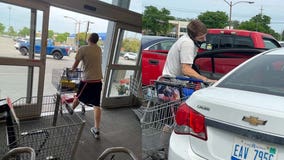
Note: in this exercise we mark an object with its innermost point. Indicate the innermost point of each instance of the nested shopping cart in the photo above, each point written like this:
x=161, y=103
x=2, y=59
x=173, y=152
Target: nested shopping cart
x=117, y=153
x=66, y=81
x=157, y=120
x=49, y=134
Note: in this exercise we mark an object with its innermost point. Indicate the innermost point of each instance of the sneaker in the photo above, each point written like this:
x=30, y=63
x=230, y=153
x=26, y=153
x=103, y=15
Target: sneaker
x=95, y=132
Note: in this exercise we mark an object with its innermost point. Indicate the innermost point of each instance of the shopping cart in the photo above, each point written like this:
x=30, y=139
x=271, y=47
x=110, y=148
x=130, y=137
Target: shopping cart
x=50, y=135
x=145, y=94
x=157, y=120
x=20, y=153
x=67, y=82
x=117, y=153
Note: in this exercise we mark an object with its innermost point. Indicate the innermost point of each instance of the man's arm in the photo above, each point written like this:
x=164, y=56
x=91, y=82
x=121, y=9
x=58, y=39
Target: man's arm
x=189, y=71
x=75, y=65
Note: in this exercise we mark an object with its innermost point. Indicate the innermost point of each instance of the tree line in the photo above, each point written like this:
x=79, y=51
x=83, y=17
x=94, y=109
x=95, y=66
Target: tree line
x=156, y=22
x=128, y=44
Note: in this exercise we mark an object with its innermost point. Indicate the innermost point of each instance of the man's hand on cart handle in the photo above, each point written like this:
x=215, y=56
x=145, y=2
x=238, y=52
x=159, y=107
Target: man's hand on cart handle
x=210, y=80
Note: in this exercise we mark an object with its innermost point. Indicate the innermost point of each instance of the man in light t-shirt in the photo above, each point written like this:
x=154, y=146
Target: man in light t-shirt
x=181, y=55
x=90, y=86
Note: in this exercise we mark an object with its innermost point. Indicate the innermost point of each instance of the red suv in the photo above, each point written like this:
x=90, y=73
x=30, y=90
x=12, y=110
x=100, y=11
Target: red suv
x=224, y=50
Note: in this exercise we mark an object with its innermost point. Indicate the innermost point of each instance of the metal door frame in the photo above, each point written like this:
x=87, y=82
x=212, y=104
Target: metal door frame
x=119, y=101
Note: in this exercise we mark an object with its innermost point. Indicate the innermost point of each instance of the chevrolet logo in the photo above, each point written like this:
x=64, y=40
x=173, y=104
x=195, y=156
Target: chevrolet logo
x=254, y=120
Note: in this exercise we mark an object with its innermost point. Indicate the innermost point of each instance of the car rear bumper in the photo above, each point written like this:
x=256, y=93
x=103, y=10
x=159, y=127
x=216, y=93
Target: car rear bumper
x=180, y=149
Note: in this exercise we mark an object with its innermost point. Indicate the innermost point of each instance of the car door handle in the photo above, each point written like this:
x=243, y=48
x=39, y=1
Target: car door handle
x=152, y=61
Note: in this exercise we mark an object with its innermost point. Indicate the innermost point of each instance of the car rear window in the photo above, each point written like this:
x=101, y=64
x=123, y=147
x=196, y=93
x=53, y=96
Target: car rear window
x=264, y=74
x=162, y=45
x=270, y=43
x=219, y=41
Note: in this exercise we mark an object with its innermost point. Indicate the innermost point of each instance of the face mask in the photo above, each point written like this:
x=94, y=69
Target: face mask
x=198, y=43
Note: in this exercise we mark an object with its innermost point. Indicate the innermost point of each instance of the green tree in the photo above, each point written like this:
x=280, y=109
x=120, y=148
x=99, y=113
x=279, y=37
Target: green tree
x=155, y=21
x=216, y=19
x=24, y=32
x=50, y=34
x=2, y=28
x=82, y=40
x=235, y=24
x=259, y=23
x=131, y=45
x=61, y=37
x=11, y=31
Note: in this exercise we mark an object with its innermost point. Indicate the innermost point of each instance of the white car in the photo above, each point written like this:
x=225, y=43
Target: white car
x=238, y=118
x=19, y=42
x=281, y=43
x=130, y=55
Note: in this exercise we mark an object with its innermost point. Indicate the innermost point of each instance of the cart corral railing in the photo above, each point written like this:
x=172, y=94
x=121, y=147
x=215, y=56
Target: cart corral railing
x=32, y=109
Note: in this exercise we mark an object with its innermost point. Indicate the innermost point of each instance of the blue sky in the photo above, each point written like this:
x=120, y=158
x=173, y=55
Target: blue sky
x=241, y=11
x=19, y=17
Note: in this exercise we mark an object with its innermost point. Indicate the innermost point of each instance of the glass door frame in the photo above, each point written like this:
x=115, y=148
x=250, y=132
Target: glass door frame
x=31, y=62
x=119, y=101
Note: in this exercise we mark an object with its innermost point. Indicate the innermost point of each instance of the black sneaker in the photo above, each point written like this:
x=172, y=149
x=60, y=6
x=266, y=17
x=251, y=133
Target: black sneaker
x=95, y=132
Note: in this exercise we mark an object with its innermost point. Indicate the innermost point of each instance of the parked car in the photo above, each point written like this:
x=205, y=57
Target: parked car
x=56, y=51
x=239, y=117
x=19, y=41
x=232, y=47
x=281, y=43
x=154, y=52
x=130, y=56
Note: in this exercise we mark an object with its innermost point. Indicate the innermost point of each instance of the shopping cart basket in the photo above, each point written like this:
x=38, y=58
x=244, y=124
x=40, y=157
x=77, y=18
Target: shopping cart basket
x=157, y=121
x=67, y=82
x=52, y=136
x=156, y=124
x=116, y=153
x=20, y=153
x=145, y=94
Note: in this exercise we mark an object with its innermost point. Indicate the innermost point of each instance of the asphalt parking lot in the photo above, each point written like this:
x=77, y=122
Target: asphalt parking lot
x=16, y=76
x=117, y=124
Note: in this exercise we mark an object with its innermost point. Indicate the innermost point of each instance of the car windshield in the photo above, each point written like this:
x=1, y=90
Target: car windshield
x=264, y=74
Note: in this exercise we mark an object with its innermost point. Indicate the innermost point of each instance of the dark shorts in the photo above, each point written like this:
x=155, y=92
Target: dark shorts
x=90, y=93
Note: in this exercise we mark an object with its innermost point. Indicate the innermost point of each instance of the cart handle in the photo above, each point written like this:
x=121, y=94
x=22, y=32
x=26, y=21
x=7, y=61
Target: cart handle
x=115, y=150
x=19, y=150
x=184, y=78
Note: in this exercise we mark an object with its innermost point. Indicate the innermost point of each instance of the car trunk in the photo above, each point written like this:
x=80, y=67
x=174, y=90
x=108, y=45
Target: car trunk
x=239, y=125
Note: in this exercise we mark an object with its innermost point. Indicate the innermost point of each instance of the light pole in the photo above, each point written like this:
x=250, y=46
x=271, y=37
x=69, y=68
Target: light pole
x=76, y=32
x=231, y=4
x=9, y=7
x=87, y=29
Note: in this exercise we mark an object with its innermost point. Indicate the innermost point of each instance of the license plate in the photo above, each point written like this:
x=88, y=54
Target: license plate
x=249, y=150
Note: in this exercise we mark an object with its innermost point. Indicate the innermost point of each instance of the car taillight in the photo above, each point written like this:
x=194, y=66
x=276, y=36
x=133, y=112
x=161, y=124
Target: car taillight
x=189, y=121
